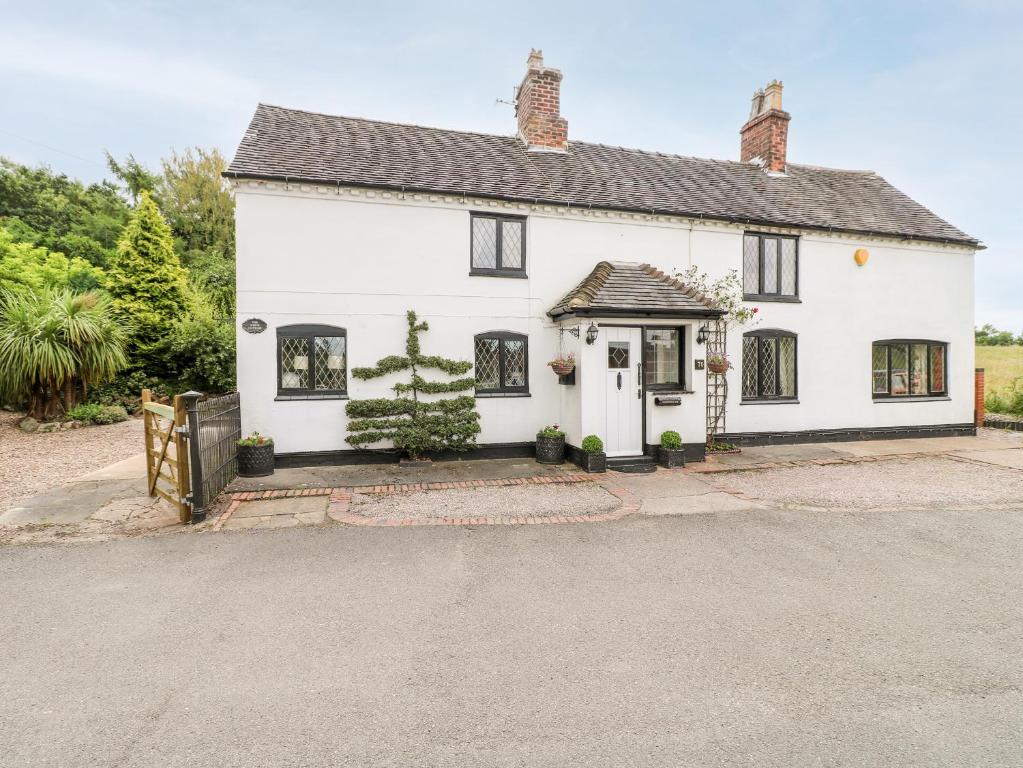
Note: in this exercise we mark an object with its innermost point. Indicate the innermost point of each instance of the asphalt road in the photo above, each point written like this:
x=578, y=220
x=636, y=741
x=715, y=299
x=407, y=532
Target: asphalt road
x=747, y=639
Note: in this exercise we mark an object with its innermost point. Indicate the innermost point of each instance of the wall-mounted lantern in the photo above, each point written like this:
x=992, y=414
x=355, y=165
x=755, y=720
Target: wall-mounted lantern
x=702, y=335
x=860, y=256
x=591, y=333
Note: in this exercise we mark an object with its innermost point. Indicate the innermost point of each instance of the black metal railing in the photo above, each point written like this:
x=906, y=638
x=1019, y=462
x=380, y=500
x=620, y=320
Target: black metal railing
x=214, y=428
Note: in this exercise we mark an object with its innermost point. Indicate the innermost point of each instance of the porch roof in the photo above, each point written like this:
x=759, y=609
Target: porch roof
x=621, y=288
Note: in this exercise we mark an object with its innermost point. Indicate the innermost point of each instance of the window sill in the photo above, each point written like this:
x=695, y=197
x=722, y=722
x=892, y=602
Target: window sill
x=769, y=401
x=515, y=273
x=281, y=398
x=772, y=297
x=485, y=395
x=912, y=399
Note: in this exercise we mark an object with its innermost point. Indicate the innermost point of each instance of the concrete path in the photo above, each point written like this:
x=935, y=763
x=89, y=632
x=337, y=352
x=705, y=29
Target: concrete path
x=760, y=638
x=353, y=475
x=116, y=495
x=113, y=498
x=995, y=446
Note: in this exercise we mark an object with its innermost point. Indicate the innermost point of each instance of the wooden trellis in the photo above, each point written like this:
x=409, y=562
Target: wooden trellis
x=167, y=452
x=717, y=385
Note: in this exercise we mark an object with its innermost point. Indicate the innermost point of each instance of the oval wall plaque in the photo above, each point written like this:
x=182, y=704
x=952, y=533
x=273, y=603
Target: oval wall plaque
x=254, y=325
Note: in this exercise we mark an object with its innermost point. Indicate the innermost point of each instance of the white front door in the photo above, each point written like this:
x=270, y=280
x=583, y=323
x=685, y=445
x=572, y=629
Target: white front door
x=623, y=433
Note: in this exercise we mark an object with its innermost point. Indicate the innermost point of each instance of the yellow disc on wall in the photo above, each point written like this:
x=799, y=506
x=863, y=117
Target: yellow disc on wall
x=861, y=256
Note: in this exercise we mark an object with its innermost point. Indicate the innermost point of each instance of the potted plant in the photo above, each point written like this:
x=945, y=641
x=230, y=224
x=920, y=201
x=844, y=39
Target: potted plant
x=550, y=445
x=718, y=363
x=563, y=366
x=672, y=453
x=255, y=456
x=594, y=458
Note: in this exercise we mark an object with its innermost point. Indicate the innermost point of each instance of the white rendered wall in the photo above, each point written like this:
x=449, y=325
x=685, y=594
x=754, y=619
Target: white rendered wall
x=340, y=257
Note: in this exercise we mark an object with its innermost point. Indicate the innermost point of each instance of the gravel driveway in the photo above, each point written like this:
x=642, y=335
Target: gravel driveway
x=30, y=463
x=924, y=483
x=521, y=500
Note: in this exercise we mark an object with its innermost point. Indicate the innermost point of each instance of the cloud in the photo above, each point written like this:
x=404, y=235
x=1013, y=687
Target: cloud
x=178, y=78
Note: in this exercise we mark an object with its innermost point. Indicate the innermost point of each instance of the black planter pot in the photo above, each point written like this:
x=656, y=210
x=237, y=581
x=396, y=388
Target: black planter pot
x=550, y=450
x=672, y=457
x=595, y=462
x=255, y=460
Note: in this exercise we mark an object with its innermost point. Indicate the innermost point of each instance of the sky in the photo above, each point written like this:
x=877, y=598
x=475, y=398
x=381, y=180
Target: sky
x=928, y=94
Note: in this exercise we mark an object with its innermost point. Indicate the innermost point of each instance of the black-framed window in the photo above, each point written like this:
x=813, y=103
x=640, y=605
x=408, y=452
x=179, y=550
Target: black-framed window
x=497, y=245
x=662, y=358
x=769, y=365
x=502, y=363
x=312, y=360
x=908, y=368
x=770, y=267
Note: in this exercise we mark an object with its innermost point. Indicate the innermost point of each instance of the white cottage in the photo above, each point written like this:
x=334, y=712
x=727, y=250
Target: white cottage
x=519, y=249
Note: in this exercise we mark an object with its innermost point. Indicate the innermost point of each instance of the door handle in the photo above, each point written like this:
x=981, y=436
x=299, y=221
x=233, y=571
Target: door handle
x=639, y=394
x=619, y=379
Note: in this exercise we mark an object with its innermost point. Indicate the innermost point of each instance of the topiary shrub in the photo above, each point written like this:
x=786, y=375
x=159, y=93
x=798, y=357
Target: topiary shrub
x=671, y=440
x=413, y=424
x=592, y=444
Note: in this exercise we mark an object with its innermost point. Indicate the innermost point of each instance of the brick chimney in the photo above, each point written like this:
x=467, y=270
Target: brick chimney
x=766, y=133
x=538, y=107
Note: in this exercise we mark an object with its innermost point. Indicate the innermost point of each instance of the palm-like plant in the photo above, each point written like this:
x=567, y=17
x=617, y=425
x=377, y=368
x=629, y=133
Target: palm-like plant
x=55, y=343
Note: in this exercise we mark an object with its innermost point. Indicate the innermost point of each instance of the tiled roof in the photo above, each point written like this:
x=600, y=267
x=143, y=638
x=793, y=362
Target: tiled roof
x=289, y=144
x=622, y=288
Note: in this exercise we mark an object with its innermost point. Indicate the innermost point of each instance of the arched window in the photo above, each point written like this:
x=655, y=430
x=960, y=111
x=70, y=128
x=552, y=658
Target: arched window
x=312, y=360
x=909, y=368
x=502, y=363
x=769, y=365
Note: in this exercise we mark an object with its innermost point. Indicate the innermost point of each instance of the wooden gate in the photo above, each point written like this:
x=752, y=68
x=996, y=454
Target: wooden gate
x=167, y=452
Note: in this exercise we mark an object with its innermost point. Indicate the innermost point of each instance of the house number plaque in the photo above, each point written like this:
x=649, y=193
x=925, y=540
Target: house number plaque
x=699, y=364
x=254, y=325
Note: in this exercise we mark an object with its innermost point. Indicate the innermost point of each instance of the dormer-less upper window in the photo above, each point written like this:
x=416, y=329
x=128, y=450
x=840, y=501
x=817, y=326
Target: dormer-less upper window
x=498, y=245
x=770, y=267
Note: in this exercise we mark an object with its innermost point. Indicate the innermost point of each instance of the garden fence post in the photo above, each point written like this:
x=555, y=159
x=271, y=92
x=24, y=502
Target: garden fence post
x=191, y=399
x=147, y=430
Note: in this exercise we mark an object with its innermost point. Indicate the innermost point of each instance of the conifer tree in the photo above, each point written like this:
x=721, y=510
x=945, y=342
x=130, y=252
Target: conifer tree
x=413, y=424
x=146, y=280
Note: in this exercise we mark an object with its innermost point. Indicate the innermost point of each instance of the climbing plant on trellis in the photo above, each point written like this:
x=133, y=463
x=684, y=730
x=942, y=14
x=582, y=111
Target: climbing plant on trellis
x=415, y=424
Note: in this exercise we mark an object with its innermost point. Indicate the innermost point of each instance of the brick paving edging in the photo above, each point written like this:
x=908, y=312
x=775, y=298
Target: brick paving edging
x=339, y=505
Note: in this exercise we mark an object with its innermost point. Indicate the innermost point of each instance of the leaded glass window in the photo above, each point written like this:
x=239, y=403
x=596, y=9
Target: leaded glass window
x=908, y=369
x=502, y=363
x=498, y=245
x=770, y=267
x=312, y=360
x=662, y=356
x=769, y=365
x=618, y=354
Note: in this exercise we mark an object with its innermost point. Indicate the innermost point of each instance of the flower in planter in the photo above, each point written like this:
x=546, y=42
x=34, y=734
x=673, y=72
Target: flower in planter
x=592, y=444
x=255, y=439
x=551, y=431
x=563, y=365
x=717, y=362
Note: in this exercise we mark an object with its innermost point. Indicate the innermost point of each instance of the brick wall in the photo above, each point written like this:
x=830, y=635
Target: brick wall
x=766, y=136
x=978, y=397
x=538, y=106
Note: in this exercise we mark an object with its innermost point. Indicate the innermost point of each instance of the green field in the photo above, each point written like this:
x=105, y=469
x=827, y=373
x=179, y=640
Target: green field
x=1002, y=366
